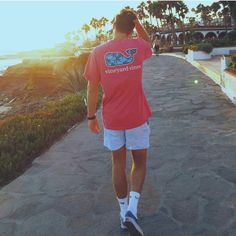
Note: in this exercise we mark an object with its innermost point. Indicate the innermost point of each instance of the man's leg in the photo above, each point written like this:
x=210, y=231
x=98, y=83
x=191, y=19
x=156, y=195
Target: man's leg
x=137, y=177
x=119, y=180
x=138, y=170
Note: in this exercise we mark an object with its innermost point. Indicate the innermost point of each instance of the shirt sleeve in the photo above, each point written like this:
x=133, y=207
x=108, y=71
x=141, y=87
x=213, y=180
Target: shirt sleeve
x=146, y=49
x=91, y=71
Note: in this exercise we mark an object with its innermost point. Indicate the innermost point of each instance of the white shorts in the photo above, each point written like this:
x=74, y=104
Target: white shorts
x=133, y=139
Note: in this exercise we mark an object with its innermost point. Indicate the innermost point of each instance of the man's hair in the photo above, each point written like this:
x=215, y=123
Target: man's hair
x=124, y=21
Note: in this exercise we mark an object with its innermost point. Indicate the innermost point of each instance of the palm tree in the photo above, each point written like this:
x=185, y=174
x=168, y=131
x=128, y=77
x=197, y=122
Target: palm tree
x=141, y=11
x=215, y=7
x=86, y=28
x=204, y=12
x=103, y=21
x=181, y=10
x=170, y=18
x=225, y=13
x=100, y=24
x=149, y=9
x=156, y=12
x=232, y=7
x=95, y=24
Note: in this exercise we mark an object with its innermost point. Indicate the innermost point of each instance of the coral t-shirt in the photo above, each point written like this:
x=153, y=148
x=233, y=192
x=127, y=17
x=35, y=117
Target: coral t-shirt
x=117, y=66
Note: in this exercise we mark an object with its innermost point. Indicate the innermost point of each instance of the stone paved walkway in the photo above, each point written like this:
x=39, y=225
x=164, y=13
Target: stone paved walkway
x=190, y=187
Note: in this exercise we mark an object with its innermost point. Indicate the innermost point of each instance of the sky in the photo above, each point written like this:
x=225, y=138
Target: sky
x=27, y=25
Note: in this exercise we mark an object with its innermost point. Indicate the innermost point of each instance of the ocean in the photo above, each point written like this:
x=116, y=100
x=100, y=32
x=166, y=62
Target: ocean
x=8, y=62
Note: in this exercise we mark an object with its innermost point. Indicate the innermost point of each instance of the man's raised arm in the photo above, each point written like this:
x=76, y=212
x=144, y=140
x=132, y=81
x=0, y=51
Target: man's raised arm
x=141, y=31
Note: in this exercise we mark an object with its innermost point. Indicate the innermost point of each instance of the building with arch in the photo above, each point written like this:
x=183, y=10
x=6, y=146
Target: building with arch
x=198, y=32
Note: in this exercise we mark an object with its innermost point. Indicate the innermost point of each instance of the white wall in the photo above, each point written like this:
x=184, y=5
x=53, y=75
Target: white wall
x=198, y=55
x=228, y=85
x=222, y=51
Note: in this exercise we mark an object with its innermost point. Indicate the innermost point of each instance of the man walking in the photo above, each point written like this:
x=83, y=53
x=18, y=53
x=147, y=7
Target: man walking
x=117, y=67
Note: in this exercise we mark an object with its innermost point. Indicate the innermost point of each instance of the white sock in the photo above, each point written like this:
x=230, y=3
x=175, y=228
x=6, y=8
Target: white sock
x=133, y=202
x=123, y=203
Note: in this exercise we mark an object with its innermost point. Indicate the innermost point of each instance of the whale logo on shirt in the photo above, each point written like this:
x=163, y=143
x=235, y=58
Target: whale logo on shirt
x=118, y=59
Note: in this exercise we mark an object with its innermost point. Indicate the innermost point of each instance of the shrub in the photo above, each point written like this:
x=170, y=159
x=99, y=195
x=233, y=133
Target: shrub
x=231, y=35
x=166, y=48
x=233, y=62
x=70, y=71
x=185, y=48
x=233, y=57
x=220, y=42
x=205, y=47
x=24, y=137
x=192, y=46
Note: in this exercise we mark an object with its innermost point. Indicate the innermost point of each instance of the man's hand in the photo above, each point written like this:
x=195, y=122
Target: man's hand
x=141, y=31
x=94, y=126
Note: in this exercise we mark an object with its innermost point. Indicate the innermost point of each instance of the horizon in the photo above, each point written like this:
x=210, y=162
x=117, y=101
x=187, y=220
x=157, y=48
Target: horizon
x=37, y=25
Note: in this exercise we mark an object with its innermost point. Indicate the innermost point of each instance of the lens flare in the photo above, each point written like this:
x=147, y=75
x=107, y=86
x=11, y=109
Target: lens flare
x=195, y=81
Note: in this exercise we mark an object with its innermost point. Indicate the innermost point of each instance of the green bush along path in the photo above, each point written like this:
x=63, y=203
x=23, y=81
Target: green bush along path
x=190, y=187
x=26, y=136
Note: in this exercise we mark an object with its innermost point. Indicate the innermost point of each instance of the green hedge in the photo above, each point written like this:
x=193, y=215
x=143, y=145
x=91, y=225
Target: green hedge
x=205, y=47
x=233, y=63
x=26, y=136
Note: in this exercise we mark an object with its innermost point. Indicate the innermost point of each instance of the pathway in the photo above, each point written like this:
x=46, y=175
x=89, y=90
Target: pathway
x=190, y=188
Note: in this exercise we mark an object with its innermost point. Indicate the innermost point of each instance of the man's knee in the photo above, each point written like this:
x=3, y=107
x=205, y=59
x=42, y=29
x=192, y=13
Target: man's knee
x=119, y=156
x=139, y=158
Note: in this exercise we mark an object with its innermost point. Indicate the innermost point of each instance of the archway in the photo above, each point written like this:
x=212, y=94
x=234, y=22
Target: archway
x=222, y=35
x=198, y=36
x=187, y=37
x=169, y=38
x=181, y=38
x=210, y=35
x=163, y=39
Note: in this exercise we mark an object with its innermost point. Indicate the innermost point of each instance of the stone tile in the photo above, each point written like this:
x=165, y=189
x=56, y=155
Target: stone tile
x=160, y=224
x=48, y=222
x=231, y=229
x=227, y=173
x=7, y=229
x=213, y=188
x=217, y=215
x=184, y=211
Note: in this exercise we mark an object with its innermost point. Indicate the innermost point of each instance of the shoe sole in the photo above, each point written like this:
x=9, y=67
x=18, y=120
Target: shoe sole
x=133, y=227
x=122, y=226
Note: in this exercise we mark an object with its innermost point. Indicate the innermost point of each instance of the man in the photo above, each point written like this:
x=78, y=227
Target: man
x=156, y=44
x=117, y=66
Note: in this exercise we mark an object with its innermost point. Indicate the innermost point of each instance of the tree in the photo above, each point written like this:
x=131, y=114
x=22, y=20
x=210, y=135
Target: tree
x=157, y=12
x=192, y=21
x=215, y=7
x=99, y=24
x=141, y=11
x=95, y=24
x=149, y=9
x=86, y=28
x=204, y=12
x=170, y=6
x=225, y=13
x=181, y=10
x=232, y=7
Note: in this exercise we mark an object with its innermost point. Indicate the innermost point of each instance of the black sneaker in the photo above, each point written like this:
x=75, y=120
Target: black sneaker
x=132, y=224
